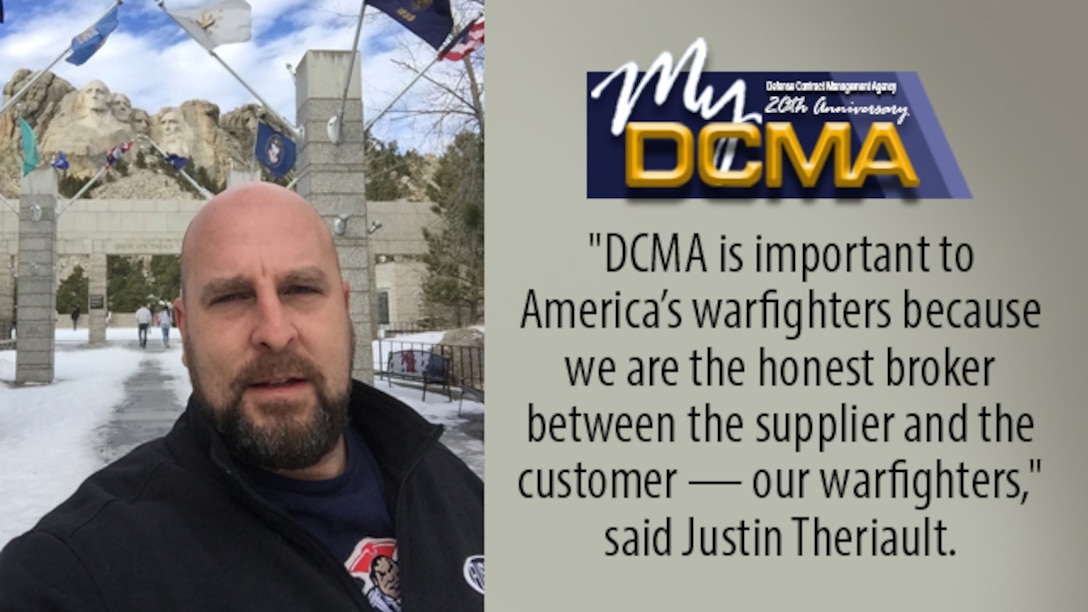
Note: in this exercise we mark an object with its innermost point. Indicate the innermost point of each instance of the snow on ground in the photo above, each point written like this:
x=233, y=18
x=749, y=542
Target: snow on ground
x=48, y=433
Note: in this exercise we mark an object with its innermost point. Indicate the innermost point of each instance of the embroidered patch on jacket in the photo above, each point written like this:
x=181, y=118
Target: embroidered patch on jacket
x=474, y=573
x=374, y=563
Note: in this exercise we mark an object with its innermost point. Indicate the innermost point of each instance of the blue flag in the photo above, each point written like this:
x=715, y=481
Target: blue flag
x=430, y=20
x=177, y=161
x=30, y=147
x=91, y=40
x=274, y=150
x=61, y=162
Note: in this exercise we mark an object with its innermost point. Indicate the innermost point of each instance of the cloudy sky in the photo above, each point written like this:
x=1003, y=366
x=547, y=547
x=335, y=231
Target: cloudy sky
x=155, y=63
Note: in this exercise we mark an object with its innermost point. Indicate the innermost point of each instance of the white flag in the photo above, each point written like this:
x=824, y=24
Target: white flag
x=219, y=23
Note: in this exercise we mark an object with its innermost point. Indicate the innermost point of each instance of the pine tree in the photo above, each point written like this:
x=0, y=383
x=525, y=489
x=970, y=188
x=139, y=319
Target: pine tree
x=388, y=172
x=69, y=185
x=73, y=290
x=165, y=276
x=454, y=285
x=127, y=285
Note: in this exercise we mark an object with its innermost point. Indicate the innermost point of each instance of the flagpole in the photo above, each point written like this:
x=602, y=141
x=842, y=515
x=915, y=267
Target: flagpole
x=10, y=205
x=336, y=123
x=401, y=94
x=298, y=177
x=19, y=94
x=418, y=77
x=204, y=192
x=290, y=126
x=90, y=183
x=298, y=132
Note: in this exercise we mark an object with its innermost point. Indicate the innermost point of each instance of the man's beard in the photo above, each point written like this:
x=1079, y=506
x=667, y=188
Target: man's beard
x=284, y=443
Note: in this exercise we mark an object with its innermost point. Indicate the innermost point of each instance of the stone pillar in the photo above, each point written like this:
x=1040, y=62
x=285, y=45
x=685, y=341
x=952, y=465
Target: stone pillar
x=7, y=293
x=98, y=300
x=241, y=177
x=37, y=277
x=332, y=180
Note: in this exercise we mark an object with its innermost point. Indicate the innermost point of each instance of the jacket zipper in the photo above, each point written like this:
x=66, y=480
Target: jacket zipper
x=425, y=448
x=286, y=528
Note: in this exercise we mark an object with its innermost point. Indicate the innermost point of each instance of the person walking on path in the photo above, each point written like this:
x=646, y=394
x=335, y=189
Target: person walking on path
x=165, y=321
x=143, y=322
x=75, y=317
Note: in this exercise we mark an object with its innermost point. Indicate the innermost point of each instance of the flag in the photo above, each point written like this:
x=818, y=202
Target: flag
x=470, y=39
x=91, y=40
x=177, y=161
x=274, y=150
x=219, y=23
x=30, y=147
x=430, y=20
x=61, y=162
x=116, y=153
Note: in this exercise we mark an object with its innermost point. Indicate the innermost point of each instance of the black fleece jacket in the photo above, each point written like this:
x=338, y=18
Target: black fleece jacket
x=175, y=525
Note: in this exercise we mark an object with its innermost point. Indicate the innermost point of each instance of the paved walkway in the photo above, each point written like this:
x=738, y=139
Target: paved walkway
x=149, y=410
x=466, y=439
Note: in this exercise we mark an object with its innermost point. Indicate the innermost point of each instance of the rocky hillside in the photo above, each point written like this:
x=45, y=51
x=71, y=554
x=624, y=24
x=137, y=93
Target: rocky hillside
x=141, y=184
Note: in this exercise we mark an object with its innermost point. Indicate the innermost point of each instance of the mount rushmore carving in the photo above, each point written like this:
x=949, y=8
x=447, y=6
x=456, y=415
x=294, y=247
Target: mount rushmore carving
x=85, y=123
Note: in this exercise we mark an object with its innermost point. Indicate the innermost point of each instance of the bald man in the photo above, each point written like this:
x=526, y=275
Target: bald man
x=284, y=479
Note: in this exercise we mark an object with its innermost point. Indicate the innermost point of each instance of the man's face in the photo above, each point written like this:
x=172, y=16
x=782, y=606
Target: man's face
x=267, y=338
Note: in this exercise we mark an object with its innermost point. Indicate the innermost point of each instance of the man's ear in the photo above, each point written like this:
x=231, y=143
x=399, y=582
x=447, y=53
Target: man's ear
x=346, y=288
x=179, y=318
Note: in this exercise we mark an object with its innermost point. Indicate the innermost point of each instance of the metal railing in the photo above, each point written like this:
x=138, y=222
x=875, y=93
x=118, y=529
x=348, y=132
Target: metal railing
x=7, y=329
x=399, y=328
x=466, y=369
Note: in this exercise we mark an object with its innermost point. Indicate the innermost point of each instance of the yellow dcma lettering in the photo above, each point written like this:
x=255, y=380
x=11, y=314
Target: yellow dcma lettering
x=833, y=142
x=881, y=135
x=637, y=174
x=748, y=133
x=781, y=137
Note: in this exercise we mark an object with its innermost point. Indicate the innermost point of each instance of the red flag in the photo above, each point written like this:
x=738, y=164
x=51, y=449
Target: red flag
x=470, y=38
x=116, y=153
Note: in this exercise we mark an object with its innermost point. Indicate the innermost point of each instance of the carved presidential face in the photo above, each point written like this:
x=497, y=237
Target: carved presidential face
x=170, y=123
x=121, y=107
x=140, y=121
x=172, y=132
x=94, y=97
